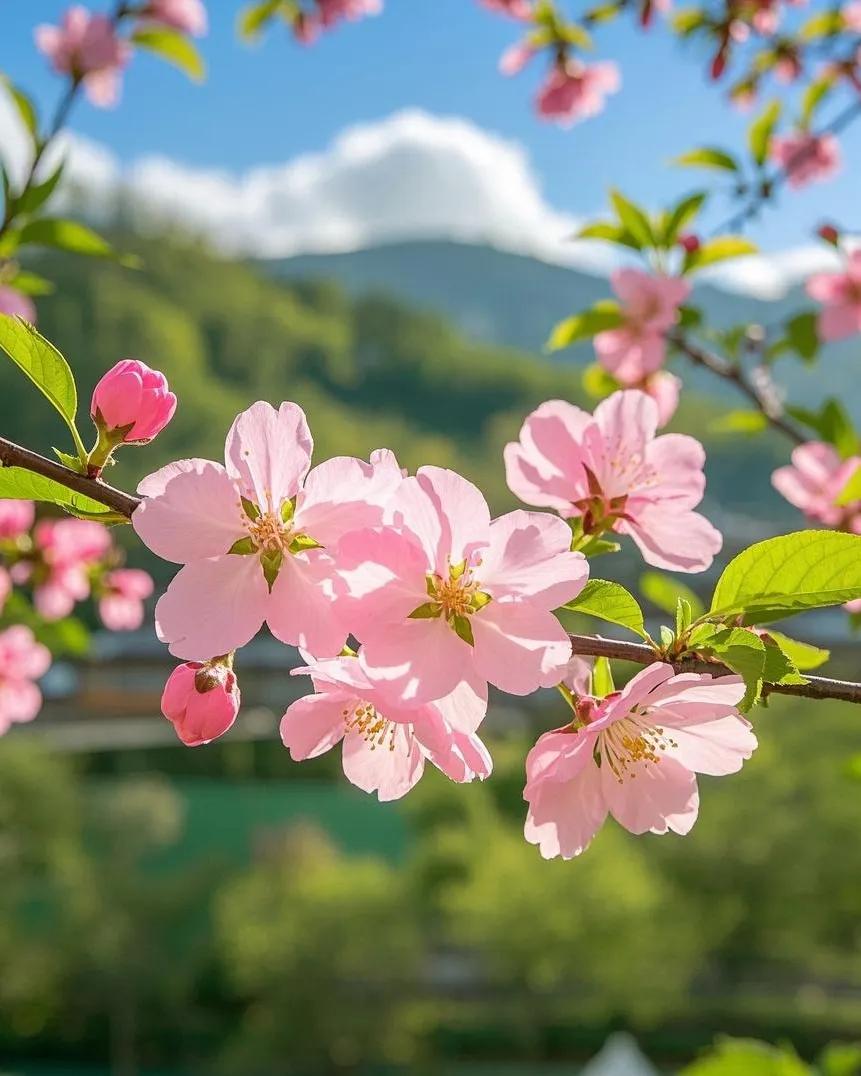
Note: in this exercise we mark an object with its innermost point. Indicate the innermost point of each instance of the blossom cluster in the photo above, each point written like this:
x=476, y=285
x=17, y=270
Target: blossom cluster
x=407, y=600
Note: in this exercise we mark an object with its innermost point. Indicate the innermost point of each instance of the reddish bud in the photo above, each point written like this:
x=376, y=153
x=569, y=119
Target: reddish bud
x=829, y=233
x=689, y=243
x=201, y=700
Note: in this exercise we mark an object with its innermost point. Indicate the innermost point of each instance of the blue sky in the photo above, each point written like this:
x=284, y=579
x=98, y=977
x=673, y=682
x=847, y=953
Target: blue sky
x=268, y=104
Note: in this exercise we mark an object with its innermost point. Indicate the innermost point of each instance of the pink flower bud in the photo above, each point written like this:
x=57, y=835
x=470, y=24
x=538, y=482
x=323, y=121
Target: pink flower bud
x=829, y=233
x=134, y=400
x=201, y=701
x=689, y=243
x=187, y=16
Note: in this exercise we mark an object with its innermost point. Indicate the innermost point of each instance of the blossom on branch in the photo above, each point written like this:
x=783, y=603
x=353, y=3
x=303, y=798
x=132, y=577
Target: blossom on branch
x=612, y=473
x=446, y=594
x=131, y=403
x=67, y=550
x=187, y=16
x=256, y=536
x=575, y=91
x=650, y=307
x=122, y=594
x=814, y=481
x=806, y=158
x=87, y=48
x=385, y=743
x=634, y=755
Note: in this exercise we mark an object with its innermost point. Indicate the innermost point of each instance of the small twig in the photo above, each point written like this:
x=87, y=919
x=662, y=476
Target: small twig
x=763, y=399
x=817, y=687
x=12, y=455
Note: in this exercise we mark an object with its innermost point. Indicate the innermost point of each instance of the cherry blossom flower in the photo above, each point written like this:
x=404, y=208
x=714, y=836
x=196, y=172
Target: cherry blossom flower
x=333, y=11
x=255, y=535
x=16, y=305
x=840, y=295
x=650, y=306
x=132, y=403
x=806, y=158
x=201, y=700
x=576, y=91
x=515, y=58
x=635, y=755
x=121, y=605
x=16, y=518
x=385, y=744
x=517, y=9
x=451, y=595
x=665, y=389
x=610, y=471
x=851, y=13
x=22, y=661
x=814, y=481
x=187, y=16
x=67, y=549
x=87, y=47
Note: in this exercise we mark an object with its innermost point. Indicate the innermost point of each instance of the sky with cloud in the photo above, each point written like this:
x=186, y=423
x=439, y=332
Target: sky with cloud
x=400, y=127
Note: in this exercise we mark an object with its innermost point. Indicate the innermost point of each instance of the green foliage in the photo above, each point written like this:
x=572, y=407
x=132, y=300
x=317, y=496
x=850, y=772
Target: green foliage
x=254, y=18
x=720, y=249
x=708, y=157
x=664, y=591
x=761, y=130
x=633, y=220
x=744, y=1057
x=831, y=423
x=783, y=576
x=584, y=326
x=611, y=602
x=173, y=47
x=740, y=422
x=68, y=235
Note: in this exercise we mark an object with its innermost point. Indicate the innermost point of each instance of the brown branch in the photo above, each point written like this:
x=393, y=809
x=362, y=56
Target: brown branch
x=12, y=455
x=765, y=401
x=817, y=687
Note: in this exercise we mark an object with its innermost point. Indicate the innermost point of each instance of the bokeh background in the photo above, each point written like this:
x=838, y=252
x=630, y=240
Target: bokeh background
x=168, y=911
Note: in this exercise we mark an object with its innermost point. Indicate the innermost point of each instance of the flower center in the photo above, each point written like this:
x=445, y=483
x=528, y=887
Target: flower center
x=628, y=742
x=374, y=729
x=269, y=533
x=454, y=599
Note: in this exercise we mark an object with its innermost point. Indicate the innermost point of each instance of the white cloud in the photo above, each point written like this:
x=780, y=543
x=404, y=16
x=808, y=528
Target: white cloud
x=412, y=175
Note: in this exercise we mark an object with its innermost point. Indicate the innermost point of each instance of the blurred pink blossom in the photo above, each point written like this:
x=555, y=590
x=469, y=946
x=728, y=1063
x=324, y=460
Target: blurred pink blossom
x=67, y=549
x=806, y=158
x=87, y=47
x=517, y=9
x=16, y=518
x=22, y=661
x=814, y=481
x=576, y=91
x=17, y=305
x=121, y=605
x=187, y=16
x=840, y=295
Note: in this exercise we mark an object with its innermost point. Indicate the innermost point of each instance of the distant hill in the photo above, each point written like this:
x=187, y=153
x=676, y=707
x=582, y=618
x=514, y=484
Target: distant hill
x=513, y=300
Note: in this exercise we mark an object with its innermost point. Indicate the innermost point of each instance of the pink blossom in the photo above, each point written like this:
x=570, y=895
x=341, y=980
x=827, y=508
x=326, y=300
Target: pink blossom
x=22, y=661
x=852, y=15
x=515, y=58
x=613, y=473
x=281, y=524
x=332, y=11
x=201, y=701
x=840, y=294
x=451, y=595
x=86, y=47
x=806, y=158
x=14, y=304
x=16, y=518
x=517, y=9
x=121, y=604
x=635, y=755
x=576, y=91
x=187, y=16
x=68, y=549
x=5, y=587
x=650, y=306
x=133, y=401
x=665, y=389
x=814, y=481
x=385, y=745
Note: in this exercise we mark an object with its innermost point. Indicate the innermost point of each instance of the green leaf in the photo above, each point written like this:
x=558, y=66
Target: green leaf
x=664, y=592
x=45, y=367
x=70, y=461
x=783, y=576
x=708, y=157
x=840, y=1059
x=172, y=46
x=744, y=652
x=740, y=422
x=851, y=491
x=690, y=317
x=584, y=326
x=813, y=97
x=611, y=602
x=18, y=483
x=608, y=231
x=252, y=19
x=32, y=283
x=633, y=219
x=801, y=335
x=804, y=656
x=602, y=678
x=823, y=24
x=681, y=215
x=68, y=235
x=684, y=616
x=779, y=667
x=832, y=423
x=720, y=249
x=597, y=382
x=760, y=132
x=746, y=1057
x=33, y=198
x=25, y=107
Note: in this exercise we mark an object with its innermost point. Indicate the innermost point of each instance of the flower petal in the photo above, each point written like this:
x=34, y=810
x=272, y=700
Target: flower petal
x=389, y=773
x=564, y=816
x=269, y=452
x=302, y=611
x=654, y=796
x=313, y=725
x=518, y=647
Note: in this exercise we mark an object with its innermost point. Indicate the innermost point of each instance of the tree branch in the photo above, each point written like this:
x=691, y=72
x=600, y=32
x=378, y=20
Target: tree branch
x=765, y=401
x=12, y=455
x=817, y=687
